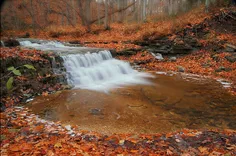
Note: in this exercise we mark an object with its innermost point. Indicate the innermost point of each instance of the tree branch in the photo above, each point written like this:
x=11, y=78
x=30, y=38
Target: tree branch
x=93, y=21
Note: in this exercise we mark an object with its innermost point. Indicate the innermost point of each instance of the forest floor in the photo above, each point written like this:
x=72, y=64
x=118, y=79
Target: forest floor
x=23, y=133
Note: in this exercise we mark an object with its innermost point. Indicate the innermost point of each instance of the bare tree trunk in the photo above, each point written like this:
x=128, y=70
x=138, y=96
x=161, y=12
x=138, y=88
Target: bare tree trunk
x=106, y=15
x=74, y=12
x=67, y=14
x=136, y=13
x=119, y=14
x=88, y=11
x=116, y=11
x=62, y=20
x=84, y=18
x=33, y=17
x=144, y=10
x=98, y=13
x=207, y=3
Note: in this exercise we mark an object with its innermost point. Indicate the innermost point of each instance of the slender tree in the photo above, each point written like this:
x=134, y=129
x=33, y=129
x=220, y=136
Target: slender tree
x=106, y=16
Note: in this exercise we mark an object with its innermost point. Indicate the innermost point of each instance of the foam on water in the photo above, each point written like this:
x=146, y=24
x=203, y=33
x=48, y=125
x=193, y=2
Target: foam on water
x=52, y=45
x=99, y=71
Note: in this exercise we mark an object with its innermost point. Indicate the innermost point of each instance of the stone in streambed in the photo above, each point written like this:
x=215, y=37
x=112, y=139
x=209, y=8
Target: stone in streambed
x=180, y=69
x=173, y=59
x=11, y=43
x=96, y=111
x=230, y=48
x=231, y=58
x=158, y=56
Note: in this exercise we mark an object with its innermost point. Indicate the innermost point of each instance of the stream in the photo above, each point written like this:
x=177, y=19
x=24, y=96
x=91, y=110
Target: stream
x=111, y=97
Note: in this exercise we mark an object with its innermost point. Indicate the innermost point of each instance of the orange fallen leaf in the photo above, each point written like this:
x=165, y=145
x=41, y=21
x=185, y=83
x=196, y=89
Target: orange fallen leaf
x=58, y=145
x=15, y=148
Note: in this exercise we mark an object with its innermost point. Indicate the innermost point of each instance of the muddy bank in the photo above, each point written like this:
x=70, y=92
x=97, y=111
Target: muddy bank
x=28, y=83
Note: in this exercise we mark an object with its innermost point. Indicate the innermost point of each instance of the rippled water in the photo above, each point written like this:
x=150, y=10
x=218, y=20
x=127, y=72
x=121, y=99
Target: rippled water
x=171, y=103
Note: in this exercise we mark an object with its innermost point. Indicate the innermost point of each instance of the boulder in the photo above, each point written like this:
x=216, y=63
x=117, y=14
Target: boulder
x=158, y=56
x=231, y=58
x=11, y=43
x=220, y=69
x=181, y=49
x=141, y=62
x=180, y=69
x=161, y=51
x=125, y=52
x=230, y=48
x=192, y=42
x=173, y=59
x=74, y=42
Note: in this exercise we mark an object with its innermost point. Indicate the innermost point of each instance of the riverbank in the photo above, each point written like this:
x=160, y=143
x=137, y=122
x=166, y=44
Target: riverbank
x=27, y=83
x=24, y=133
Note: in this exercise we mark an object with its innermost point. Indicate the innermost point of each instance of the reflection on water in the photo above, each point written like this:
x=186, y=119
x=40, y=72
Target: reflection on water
x=170, y=104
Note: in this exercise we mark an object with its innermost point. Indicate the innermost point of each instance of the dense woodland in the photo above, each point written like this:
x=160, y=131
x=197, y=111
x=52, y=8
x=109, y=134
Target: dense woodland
x=186, y=42
x=40, y=15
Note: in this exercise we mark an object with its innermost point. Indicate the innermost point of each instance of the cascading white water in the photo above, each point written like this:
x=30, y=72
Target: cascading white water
x=99, y=71
x=94, y=71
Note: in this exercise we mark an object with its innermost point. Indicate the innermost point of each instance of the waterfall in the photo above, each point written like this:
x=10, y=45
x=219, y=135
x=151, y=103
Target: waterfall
x=92, y=70
x=99, y=71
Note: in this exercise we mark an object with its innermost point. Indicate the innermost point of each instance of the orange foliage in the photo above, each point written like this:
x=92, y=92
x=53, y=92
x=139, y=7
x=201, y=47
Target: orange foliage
x=119, y=32
x=33, y=55
x=201, y=62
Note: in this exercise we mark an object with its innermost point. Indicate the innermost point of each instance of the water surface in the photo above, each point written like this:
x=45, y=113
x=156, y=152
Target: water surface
x=170, y=103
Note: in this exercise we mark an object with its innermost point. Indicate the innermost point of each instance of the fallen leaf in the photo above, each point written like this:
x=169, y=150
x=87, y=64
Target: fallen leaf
x=15, y=148
x=58, y=145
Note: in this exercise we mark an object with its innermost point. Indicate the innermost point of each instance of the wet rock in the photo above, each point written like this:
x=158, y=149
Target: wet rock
x=113, y=52
x=11, y=43
x=161, y=51
x=182, y=49
x=180, y=69
x=230, y=48
x=158, y=56
x=206, y=65
x=142, y=43
x=216, y=58
x=96, y=111
x=141, y=62
x=222, y=68
x=65, y=87
x=127, y=52
x=173, y=59
x=2, y=107
x=231, y=58
x=192, y=42
x=155, y=45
